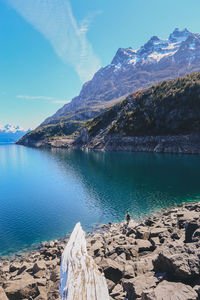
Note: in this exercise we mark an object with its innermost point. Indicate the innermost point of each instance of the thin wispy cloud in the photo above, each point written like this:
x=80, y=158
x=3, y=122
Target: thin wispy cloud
x=54, y=19
x=60, y=101
x=45, y=98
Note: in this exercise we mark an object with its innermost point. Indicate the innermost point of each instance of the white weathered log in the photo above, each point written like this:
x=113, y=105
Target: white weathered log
x=80, y=277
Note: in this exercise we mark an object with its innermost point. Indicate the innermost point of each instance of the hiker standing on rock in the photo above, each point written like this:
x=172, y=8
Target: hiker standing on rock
x=128, y=217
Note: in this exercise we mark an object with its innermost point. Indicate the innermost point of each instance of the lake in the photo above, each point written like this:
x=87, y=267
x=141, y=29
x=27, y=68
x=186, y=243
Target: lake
x=43, y=193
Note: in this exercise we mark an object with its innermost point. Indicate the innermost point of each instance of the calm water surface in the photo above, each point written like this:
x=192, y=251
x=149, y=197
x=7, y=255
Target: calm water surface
x=43, y=193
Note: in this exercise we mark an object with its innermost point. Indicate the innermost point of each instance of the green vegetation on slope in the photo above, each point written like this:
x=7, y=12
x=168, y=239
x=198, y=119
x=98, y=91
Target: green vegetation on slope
x=171, y=107
x=53, y=131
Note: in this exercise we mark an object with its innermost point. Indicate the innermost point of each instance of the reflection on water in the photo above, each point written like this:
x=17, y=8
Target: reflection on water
x=43, y=193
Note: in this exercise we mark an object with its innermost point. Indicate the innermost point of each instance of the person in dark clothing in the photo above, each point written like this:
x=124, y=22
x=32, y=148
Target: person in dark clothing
x=128, y=217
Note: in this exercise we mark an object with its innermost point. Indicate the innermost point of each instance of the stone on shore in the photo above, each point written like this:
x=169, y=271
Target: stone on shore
x=112, y=270
x=3, y=294
x=158, y=258
x=135, y=286
x=170, y=291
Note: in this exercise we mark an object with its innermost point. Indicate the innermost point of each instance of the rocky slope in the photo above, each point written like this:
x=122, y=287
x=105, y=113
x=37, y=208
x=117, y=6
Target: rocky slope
x=129, y=71
x=157, y=258
x=163, y=118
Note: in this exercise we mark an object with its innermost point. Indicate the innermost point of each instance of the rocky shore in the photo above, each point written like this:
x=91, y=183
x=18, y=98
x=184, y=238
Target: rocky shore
x=158, y=258
x=182, y=144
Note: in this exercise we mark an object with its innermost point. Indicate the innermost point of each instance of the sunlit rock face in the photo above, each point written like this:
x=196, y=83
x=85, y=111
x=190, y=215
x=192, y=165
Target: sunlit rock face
x=130, y=70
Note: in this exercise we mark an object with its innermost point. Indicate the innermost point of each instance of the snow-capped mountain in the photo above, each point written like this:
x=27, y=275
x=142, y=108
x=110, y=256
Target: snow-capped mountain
x=11, y=133
x=157, y=49
x=130, y=70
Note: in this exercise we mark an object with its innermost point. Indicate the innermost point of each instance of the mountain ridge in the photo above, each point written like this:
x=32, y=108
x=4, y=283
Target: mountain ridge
x=162, y=118
x=115, y=81
x=129, y=71
x=11, y=133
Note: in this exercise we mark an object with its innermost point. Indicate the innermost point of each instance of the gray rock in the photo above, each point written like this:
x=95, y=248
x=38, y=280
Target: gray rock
x=3, y=294
x=142, y=232
x=110, y=285
x=25, y=287
x=15, y=266
x=144, y=245
x=190, y=228
x=157, y=231
x=196, y=235
x=182, y=266
x=170, y=291
x=38, y=266
x=186, y=216
x=135, y=286
x=112, y=270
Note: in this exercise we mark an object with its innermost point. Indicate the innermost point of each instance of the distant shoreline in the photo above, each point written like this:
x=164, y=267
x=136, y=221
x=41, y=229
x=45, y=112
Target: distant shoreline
x=177, y=144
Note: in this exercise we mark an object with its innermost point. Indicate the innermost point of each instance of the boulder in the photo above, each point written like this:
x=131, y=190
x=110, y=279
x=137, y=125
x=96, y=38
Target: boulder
x=143, y=266
x=197, y=290
x=38, y=266
x=149, y=222
x=135, y=286
x=182, y=266
x=117, y=291
x=190, y=228
x=110, y=285
x=170, y=291
x=22, y=269
x=185, y=217
x=40, y=274
x=129, y=271
x=157, y=231
x=15, y=266
x=3, y=294
x=175, y=236
x=142, y=232
x=144, y=245
x=54, y=276
x=196, y=235
x=95, y=248
x=42, y=293
x=155, y=241
x=23, y=288
x=112, y=270
x=129, y=251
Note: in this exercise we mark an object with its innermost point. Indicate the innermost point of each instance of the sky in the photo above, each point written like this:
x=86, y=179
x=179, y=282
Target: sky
x=49, y=48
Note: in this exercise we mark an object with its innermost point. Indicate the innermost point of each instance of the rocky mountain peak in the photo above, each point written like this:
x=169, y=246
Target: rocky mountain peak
x=122, y=55
x=156, y=49
x=11, y=128
x=179, y=35
x=133, y=69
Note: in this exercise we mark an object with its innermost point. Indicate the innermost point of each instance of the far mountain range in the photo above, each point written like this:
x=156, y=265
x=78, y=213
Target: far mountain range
x=11, y=133
x=130, y=70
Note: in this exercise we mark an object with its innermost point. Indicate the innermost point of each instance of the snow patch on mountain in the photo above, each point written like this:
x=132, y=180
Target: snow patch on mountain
x=11, y=128
x=11, y=133
x=156, y=49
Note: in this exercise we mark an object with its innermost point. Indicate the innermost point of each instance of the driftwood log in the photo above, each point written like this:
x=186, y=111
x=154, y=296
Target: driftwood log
x=80, y=277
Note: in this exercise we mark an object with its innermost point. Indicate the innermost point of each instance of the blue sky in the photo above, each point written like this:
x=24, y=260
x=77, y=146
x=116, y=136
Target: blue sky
x=48, y=48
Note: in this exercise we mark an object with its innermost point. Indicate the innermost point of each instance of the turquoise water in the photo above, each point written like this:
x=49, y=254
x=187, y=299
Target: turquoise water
x=43, y=193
